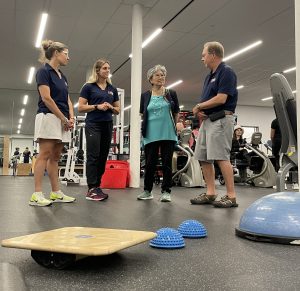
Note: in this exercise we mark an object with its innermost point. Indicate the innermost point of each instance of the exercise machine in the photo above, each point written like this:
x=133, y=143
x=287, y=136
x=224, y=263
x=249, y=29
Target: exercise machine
x=263, y=172
x=286, y=113
x=189, y=173
x=76, y=151
x=275, y=217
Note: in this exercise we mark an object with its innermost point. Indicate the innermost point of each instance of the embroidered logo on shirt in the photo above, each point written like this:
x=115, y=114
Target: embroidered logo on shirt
x=110, y=92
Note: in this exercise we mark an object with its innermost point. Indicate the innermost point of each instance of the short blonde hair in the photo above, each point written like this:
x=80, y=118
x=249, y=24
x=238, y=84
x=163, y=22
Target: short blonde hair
x=155, y=69
x=214, y=47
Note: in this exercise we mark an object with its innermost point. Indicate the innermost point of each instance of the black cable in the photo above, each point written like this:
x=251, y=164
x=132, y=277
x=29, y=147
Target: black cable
x=178, y=14
x=162, y=28
x=120, y=66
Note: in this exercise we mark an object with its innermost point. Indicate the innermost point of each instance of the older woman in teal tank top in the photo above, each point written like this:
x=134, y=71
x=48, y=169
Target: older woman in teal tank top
x=159, y=108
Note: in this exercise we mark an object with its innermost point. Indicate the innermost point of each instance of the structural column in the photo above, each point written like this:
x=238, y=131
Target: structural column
x=6, y=158
x=136, y=81
x=297, y=54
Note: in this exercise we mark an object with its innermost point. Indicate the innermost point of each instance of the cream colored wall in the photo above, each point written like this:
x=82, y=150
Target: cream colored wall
x=256, y=116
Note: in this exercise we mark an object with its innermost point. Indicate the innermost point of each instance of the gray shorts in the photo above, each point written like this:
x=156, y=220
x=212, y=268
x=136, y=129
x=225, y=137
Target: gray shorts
x=214, y=140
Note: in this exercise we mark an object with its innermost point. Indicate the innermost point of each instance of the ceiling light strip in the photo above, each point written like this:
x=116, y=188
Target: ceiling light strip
x=174, y=84
x=243, y=50
x=25, y=99
x=30, y=75
x=41, y=30
x=289, y=70
x=151, y=37
x=269, y=98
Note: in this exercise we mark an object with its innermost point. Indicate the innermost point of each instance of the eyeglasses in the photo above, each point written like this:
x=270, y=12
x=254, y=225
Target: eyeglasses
x=66, y=53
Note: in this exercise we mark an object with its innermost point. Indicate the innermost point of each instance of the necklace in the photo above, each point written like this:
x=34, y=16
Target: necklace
x=159, y=92
x=157, y=102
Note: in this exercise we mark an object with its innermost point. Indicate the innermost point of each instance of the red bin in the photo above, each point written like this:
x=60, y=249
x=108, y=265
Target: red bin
x=116, y=175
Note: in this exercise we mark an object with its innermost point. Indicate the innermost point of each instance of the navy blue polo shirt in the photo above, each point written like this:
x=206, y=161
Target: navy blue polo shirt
x=223, y=80
x=46, y=75
x=95, y=95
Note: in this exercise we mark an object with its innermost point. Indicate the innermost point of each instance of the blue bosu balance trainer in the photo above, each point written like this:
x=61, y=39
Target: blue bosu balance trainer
x=274, y=218
x=168, y=238
x=192, y=229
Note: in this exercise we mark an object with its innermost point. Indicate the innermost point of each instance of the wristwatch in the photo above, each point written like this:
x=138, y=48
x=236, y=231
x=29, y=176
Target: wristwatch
x=96, y=107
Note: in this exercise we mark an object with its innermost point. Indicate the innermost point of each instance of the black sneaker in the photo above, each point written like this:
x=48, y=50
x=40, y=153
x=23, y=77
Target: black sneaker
x=203, y=199
x=96, y=194
x=225, y=202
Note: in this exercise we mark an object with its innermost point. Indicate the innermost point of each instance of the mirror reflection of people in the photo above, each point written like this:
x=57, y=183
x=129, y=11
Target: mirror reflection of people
x=216, y=108
x=100, y=100
x=26, y=155
x=54, y=119
x=276, y=142
x=159, y=108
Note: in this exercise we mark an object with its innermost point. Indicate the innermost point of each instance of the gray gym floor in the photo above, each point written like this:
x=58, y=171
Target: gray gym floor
x=221, y=261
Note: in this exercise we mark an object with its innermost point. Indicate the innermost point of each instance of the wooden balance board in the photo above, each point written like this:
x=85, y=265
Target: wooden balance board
x=61, y=247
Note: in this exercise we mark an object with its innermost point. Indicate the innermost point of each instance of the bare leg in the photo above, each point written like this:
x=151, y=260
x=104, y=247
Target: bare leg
x=52, y=166
x=227, y=172
x=209, y=177
x=46, y=146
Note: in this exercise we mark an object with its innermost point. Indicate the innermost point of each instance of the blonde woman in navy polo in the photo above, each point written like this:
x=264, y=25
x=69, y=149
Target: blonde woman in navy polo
x=100, y=100
x=54, y=119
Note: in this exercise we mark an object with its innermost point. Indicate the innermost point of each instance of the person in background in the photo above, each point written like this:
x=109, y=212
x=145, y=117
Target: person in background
x=54, y=119
x=238, y=144
x=17, y=152
x=26, y=155
x=35, y=153
x=217, y=105
x=100, y=100
x=276, y=142
x=159, y=109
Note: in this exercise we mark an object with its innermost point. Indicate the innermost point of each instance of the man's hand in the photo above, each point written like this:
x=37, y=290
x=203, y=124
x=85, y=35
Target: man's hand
x=201, y=115
x=196, y=109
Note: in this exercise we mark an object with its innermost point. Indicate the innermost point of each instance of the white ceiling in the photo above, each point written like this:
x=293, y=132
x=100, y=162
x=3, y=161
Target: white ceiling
x=98, y=28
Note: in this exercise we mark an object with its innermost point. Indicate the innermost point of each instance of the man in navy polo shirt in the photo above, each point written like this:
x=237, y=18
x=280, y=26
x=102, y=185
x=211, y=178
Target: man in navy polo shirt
x=216, y=107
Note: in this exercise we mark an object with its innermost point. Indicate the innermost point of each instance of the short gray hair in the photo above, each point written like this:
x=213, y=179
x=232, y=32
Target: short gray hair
x=214, y=47
x=156, y=68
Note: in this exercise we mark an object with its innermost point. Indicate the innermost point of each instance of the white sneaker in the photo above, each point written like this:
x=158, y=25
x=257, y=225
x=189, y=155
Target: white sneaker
x=38, y=199
x=145, y=195
x=59, y=196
